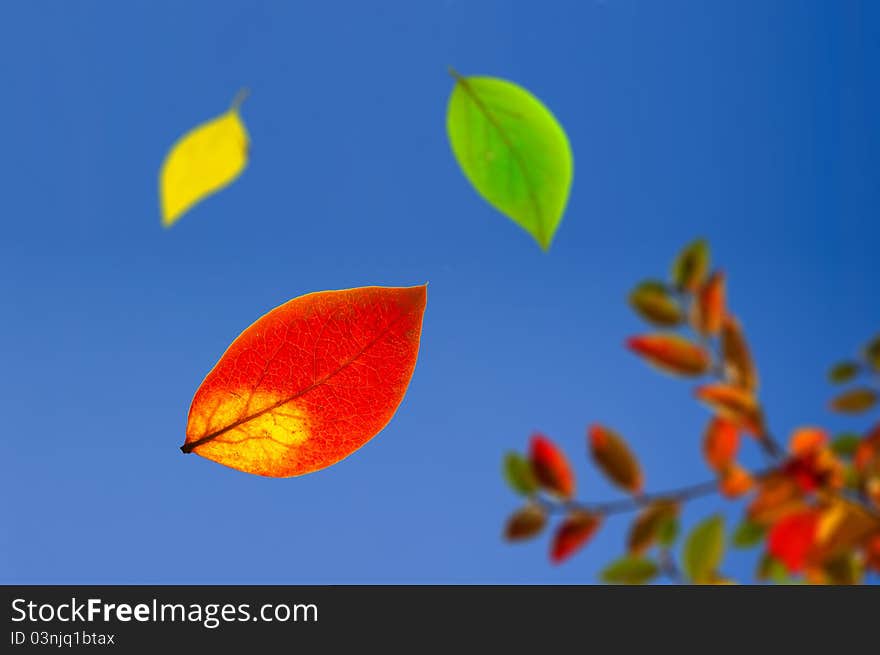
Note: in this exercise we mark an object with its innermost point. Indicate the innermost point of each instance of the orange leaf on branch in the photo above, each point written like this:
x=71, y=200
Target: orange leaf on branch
x=615, y=459
x=644, y=530
x=708, y=308
x=778, y=495
x=739, y=368
x=734, y=404
x=551, y=467
x=672, y=353
x=735, y=481
x=720, y=443
x=573, y=534
x=813, y=465
x=310, y=382
x=525, y=523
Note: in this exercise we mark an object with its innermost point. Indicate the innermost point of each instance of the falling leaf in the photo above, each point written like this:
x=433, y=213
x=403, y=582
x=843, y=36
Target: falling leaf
x=672, y=353
x=614, y=457
x=792, y=537
x=654, y=303
x=720, y=443
x=735, y=481
x=519, y=475
x=704, y=550
x=525, y=523
x=573, y=534
x=748, y=534
x=708, y=307
x=512, y=150
x=310, y=382
x=647, y=527
x=551, y=467
x=630, y=570
x=739, y=368
x=203, y=161
x=843, y=372
x=734, y=404
x=691, y=266
x=855, y=401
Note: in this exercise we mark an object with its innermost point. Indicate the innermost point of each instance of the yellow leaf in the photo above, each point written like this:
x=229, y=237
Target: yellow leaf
x=203, y=161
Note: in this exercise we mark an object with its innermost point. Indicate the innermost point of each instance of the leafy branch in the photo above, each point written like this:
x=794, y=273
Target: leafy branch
x=815, y=507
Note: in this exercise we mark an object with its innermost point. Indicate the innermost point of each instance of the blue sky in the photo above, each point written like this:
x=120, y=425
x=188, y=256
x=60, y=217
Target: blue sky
x=753, y=124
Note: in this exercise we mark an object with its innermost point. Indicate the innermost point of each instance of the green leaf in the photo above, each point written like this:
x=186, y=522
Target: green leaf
x=704, y=549
x=654, y=303
x=748, y=534
x=512, y=150
x=518, y=474
x=845, y=445
x=691, y=266
x=843, y=372
x=667, y=531
x=630, y=570
x=770, y=568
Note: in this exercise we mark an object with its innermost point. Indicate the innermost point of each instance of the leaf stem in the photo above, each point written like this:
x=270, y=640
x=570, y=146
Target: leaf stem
x=239, y=98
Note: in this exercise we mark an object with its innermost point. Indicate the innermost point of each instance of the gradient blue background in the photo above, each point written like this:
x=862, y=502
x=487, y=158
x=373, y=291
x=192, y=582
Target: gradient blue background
x=751, y=123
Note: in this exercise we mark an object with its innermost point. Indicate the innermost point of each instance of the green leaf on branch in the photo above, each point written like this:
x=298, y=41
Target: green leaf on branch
x=704, y=550
x=846, y=444
x=691, y=267
x=519, y=475
x=653, y=302
x=513, y=151
x=630, y=570
x=748, y=534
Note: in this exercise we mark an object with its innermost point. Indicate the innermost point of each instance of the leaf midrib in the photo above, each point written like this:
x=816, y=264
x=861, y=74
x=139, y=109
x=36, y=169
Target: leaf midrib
x=517, y=157
x=189, y=447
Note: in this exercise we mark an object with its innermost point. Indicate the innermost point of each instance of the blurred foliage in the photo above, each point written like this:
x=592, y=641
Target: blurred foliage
x=814, y=509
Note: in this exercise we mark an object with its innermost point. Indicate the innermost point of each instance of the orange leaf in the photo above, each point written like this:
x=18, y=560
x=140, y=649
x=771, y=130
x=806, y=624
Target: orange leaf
x=855, y=401
x=872, y=553
x=867, y=456
x=807, y=441
x=792, y=537
x=734, y=404
x=739, y=368
x=574, y=532
x=310, y=382
x=709, y=306
x=551, y=467
x=735, y=481
x=525, y=523
x=721, y=443
x=614, y=457
x=778, y=496
x=672, y=353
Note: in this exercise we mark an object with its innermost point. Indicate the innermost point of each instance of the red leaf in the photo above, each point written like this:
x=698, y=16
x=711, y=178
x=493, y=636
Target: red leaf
x=792, y=537
x=310, y=382
x=573, y=534
x=551, y=467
